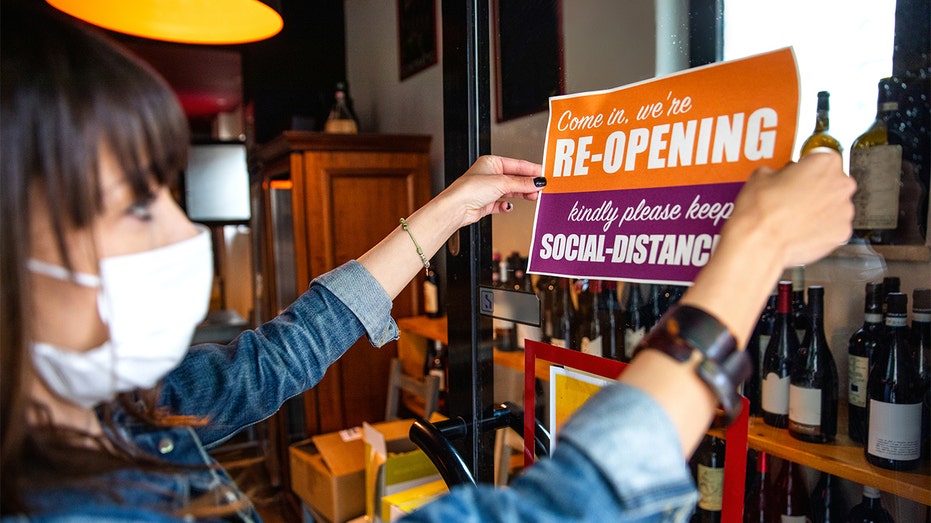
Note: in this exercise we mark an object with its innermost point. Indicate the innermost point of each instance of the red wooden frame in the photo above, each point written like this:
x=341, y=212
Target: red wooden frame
x=735, y=453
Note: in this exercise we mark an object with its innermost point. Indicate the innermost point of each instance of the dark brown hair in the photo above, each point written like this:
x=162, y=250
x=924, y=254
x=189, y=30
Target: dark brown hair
x=65, y=91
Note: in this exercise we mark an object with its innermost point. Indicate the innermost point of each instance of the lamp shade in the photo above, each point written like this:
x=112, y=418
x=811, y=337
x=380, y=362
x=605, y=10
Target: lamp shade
x=217, y=22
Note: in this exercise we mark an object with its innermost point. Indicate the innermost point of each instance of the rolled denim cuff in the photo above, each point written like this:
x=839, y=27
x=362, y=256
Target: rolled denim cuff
x=352, y=284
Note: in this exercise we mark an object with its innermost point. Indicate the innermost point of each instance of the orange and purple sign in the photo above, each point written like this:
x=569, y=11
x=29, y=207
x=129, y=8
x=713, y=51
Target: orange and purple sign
x=640, y=179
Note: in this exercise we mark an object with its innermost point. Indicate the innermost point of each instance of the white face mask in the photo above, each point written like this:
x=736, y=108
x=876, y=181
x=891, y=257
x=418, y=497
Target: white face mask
x=151, y=302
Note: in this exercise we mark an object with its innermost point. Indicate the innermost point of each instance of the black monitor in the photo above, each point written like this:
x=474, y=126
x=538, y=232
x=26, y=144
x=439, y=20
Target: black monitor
x=216, y=183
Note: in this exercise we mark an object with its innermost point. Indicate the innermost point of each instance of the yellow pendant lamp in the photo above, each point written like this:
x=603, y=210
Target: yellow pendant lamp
x=216, y=22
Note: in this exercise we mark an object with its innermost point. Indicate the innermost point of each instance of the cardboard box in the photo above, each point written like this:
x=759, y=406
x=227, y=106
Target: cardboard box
x=392, y=464
x=328, y=474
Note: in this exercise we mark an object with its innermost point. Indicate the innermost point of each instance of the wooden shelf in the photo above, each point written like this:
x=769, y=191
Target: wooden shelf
x=437, y=329
x=430, y=328
x=844, y=458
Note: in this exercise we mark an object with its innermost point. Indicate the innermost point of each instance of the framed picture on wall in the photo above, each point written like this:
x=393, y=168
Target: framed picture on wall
x=417, y=49
x=528, y=56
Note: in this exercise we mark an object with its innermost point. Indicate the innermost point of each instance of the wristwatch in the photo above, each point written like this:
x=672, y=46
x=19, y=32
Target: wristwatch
x=686, y=330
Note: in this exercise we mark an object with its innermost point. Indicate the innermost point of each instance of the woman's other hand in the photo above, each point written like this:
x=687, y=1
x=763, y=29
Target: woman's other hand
x=484, y=188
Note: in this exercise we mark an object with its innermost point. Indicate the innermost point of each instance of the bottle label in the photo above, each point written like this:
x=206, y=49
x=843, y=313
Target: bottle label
x=858, y=371
x=592, y=347
x=710, y=488
x=631, y=339
x=804, y=410
x=559, y=342
x=775, y=394
x=876, y=170
x=431, y=303
x=442, y=377
x=793, y=519
x=528, y=332
x=895, y=430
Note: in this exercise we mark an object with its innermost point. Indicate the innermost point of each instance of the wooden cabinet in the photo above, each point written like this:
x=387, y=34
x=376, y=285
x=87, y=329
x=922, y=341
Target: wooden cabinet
x=325, y=199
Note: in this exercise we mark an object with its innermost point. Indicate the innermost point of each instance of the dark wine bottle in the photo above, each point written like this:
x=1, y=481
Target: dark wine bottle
x=920, y=342
x=778, y=361
x=756, y=346
x=801, y=320
x=636, y=321
x=505, y=332
x=589, y=327
x=894, y=408
x=438, y=366
x=813, y=386
x=870, y=509
x=612, y=321
x=548, y=291
x=564, y=324
x=708, y=463
x=890, y=284
x=789, y=502
x=757, y=488
x=860, y=350
x=431, y=294
x=827, y=500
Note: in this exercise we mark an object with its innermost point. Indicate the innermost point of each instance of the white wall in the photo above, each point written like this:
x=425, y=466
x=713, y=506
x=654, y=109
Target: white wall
x=606, y=44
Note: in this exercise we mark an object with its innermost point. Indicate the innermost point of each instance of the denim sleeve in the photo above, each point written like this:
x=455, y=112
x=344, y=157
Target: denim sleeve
x=235, y=385
x=617, y=459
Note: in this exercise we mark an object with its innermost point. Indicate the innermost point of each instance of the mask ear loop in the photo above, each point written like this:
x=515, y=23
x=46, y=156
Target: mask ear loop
x=60, y=273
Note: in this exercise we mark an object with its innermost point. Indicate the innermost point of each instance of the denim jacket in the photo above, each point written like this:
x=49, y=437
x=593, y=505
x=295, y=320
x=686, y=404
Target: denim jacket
x=617, y=459
x=232, y=386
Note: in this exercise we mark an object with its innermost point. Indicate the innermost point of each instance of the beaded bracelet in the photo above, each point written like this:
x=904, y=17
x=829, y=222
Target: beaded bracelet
x=423, y=257
x=684, y=330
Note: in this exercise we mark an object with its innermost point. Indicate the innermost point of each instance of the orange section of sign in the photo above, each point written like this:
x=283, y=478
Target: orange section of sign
x=713, y=124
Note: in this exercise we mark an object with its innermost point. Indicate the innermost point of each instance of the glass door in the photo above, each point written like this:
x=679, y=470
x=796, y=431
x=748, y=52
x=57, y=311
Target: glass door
x=500, y=66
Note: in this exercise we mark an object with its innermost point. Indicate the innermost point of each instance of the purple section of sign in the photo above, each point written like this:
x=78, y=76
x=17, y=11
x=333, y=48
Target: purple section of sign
x=658, y=234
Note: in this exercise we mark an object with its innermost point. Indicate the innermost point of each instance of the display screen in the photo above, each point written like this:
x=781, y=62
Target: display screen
x=216, y=183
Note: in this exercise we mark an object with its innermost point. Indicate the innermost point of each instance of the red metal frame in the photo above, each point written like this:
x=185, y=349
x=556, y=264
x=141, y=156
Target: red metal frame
x=735, y=453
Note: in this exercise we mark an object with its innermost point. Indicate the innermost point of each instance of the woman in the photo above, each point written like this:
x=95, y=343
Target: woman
x=106, y=413
x=104, y=280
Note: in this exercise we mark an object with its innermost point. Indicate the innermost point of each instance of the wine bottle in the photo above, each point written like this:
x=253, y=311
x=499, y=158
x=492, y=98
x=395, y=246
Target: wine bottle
x=431, y=294
x=589, y=327
x=635, y=320
x=870, y=509
x=439, y=368
x=827, y=500
x=547, y=290
x=708, y=463
x=894, y=401
x=860, y=351
x=800, y=317
x=920, y=341
x=505, y=333
x=523, y=283
x=759, y=339
x=789, y=501
x=813, y=385
x=778, y=361
x=564, y=326
x=757, y=488
x=820, y=136
x=890, y=284
x=876, y=165
x=612, y=323
x=342, y=119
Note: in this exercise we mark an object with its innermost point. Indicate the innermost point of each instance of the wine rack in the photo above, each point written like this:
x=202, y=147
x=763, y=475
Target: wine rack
x=843, y=458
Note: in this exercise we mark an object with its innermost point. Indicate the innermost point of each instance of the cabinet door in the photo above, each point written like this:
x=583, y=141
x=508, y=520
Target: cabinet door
x=351, y=200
